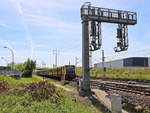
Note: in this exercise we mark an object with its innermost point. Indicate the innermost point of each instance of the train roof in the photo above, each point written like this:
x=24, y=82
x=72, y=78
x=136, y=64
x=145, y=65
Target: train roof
x=60, y=67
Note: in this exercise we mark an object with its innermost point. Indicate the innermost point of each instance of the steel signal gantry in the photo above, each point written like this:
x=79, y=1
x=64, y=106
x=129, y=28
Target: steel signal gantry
x=92, y=17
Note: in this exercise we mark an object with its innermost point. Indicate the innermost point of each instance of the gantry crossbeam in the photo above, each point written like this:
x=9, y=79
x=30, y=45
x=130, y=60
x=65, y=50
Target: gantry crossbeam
x=109, y=15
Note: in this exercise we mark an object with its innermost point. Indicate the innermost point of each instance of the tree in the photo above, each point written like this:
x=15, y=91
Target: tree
x=19, y=66
x=28, y=68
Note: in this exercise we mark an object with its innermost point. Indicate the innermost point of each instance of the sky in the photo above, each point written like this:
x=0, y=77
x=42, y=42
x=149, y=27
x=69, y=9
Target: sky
x=35, y=28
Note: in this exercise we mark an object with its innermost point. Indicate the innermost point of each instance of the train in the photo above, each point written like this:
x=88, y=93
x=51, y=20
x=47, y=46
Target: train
x=66, y=72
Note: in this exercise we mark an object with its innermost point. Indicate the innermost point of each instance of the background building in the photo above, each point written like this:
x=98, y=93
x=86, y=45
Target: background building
x=127, y=62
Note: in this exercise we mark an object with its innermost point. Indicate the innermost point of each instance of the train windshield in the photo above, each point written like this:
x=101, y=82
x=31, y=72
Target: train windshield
x=70, y=69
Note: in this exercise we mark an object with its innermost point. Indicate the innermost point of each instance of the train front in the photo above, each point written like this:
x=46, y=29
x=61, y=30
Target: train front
x=70, y=72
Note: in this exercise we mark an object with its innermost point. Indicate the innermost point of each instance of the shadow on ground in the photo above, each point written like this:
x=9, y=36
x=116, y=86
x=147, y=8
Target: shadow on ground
x=98, y=105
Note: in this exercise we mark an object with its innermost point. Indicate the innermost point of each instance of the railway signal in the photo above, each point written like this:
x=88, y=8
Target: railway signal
x=76, y=61
x=92, y=17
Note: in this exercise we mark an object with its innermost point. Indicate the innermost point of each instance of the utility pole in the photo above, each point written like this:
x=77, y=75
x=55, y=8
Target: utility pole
x=43, y=64
x=50, y=59
x=55, y=52
x=76, y=62
x=90, y=59
x=103, y=63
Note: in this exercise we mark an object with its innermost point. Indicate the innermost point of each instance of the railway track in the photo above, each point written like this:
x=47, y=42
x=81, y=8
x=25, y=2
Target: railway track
x=133, y=93
x=134, y=86
x=126, y=87
x=123, y=80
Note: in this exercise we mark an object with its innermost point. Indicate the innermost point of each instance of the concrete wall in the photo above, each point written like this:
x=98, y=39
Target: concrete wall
x=127, y=62
x=148, y=62
x=9, y=72
x=116, y=63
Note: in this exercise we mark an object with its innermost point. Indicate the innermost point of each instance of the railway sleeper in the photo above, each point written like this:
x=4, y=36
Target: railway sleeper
x=127, y=90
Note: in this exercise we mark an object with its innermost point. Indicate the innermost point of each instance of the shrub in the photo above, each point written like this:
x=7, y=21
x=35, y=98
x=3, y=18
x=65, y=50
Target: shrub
x=146, y=111
x=43, y=91
x=3, y=86
x=28, y=68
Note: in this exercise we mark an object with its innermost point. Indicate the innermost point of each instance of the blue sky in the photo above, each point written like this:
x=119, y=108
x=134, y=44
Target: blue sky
x=34, y=28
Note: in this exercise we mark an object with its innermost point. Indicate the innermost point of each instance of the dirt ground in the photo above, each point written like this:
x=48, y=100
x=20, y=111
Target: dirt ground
x=90, y=101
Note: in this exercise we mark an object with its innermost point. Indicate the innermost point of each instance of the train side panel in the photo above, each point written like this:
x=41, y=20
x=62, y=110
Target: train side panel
x=66, y=72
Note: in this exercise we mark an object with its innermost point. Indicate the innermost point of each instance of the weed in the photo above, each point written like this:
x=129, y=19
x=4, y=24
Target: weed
x=31, y=96
x=3, y=86
x=131, y=73
x=42, y=91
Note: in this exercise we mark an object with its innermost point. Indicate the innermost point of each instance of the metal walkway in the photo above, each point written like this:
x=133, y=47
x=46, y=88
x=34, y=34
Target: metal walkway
x=109, y=15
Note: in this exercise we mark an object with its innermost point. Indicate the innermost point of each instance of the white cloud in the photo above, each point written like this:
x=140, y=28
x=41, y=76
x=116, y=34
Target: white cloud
x=148, y=34
x=51, y=22
x=50, y=4
x=40, y=45
x=44, y=14
x=3, y=24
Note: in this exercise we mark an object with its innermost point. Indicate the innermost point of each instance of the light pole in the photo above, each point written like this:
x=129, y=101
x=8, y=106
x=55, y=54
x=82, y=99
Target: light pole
x=147, y=60
x=4, y=60
x=12, y=53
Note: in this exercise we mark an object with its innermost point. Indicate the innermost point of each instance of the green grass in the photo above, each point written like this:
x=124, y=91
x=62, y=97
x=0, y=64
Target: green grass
x=131, y=73
x=22, y=80
x=24, y=103
x=14, y=83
